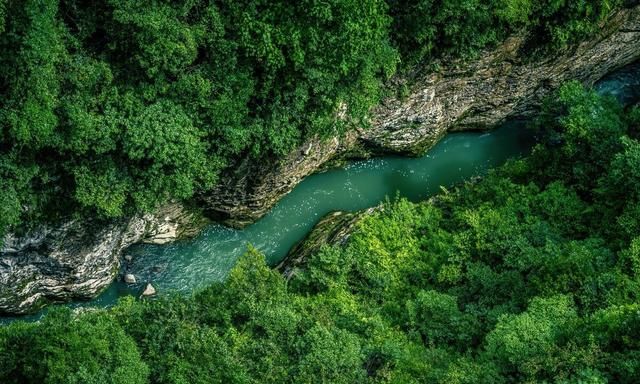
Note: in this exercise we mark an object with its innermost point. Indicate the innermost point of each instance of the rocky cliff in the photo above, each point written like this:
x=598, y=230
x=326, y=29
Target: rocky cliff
x=503, y=82
x=78, y=260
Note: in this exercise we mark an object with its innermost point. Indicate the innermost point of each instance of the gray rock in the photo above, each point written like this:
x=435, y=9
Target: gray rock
x=129, y=278
x=149, y=290
x=128, y=258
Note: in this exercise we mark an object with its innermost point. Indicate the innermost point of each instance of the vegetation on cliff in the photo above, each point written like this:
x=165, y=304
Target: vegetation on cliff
x=530, y=275
x=425, y=29
x=107, y=108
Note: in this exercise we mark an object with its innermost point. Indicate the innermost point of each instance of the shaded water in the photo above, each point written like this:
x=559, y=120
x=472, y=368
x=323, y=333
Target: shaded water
x=187, y=265
x=623, y=84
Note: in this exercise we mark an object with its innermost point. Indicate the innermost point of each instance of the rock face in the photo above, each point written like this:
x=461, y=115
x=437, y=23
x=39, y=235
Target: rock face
x=78, y=260
x=252, y=188
x=502, y=83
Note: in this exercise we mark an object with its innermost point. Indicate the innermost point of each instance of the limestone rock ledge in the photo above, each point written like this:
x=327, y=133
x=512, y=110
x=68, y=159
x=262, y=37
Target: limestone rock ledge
x=77, y=260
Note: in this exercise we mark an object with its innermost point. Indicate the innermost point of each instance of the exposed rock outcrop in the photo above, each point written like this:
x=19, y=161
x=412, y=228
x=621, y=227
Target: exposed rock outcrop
x=77, y=260
x=503, y=82
x=252, y=188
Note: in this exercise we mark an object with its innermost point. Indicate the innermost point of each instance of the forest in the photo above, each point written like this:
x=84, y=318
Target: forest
x=108, y=108
x=531, y=274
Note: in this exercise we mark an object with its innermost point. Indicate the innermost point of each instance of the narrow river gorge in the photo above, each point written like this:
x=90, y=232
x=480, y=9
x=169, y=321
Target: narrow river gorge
x=188, y=265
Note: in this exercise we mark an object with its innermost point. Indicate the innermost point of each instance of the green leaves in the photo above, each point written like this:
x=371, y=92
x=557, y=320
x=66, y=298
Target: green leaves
x=171, y=154
x=329, y=356
x=514, y=278
x=531, y=274
x=527, y=342
x=163, y=95
x=438, y=319
x=169, y=93
x=69, y=349
x=33, y=90
x=427, y=29
x=162, y=43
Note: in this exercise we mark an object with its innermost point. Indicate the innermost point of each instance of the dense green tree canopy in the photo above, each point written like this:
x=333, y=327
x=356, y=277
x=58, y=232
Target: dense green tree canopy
x=529, y=275
x=115, y=106
x=426, y=29
x=89, y=349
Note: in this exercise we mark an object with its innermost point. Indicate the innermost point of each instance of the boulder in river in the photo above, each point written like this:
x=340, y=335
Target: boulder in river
x=149, y=290
x=129, y=278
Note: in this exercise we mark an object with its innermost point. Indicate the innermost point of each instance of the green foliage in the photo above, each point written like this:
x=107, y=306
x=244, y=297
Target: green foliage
x=428, y=29
x=32, y=95
x=3, y=14
x=181, y=349
x=329, y=356
x=439, y=320
x=63, y=348
x=173, y=158
x=526, y=343
x=111, y=108
x=514, y=12
x=530, y=275
x=564, y=22
x=117, y=107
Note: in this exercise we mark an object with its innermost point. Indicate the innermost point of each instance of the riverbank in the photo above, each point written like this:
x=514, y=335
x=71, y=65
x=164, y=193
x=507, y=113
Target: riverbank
x=529, y=274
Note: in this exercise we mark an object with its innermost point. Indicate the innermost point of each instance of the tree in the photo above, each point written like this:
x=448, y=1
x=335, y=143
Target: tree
x=329, y=356
x=439, y=320
x=525, y=344
x=69, y=349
